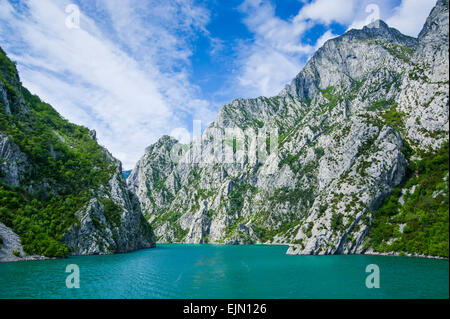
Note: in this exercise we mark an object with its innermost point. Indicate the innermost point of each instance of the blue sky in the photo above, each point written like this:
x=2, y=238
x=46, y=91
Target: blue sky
x=135, y=70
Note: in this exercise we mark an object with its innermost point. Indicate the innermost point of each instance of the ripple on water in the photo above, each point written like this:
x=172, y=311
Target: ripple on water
x=208, y=271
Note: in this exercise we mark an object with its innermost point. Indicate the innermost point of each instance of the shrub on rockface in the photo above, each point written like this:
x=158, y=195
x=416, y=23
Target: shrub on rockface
x=65, y=166
x=420, y=225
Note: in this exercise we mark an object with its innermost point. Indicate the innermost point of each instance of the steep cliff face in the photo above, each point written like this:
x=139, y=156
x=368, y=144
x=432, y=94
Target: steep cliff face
x=423, y=98
x=60, y=192
x=111, y=222
x=333, y=145
x=149, y=179
x=13, y=162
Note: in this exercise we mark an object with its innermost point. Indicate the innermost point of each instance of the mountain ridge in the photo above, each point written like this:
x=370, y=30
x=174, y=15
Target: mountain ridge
x=346, y=138
x=61, y=193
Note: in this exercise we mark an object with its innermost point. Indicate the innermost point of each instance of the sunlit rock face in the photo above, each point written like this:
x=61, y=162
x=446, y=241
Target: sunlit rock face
x=340, y=127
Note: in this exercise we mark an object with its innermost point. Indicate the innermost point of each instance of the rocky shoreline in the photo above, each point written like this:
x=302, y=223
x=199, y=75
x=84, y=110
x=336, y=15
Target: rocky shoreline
x=293, y=251
x=26, y=258
x=395, y=254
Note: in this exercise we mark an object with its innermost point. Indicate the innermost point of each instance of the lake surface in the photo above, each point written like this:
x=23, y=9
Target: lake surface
x=209, y=271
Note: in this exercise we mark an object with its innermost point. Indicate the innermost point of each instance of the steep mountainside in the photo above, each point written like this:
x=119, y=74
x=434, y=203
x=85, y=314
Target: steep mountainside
x=60, y=192
x=367, y=114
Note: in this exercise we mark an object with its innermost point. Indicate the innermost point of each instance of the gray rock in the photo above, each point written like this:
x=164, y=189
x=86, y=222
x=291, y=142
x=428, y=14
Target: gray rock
x=96, y=233
x=13, y=163
x=10, y=244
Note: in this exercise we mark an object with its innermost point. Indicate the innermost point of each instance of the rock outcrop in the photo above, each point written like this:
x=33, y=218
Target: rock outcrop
x=11, y=248
x=98, y=232
x=12, y=162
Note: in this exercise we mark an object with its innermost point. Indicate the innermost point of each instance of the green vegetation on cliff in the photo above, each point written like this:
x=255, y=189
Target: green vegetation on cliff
x=64, y=167
x=420, y=225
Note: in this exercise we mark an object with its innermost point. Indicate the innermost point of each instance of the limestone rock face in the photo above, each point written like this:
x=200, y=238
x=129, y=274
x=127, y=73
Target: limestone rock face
x=96, y=232
x=329, y=148
x=155, y=183
x=424, y=90
x=13, y=163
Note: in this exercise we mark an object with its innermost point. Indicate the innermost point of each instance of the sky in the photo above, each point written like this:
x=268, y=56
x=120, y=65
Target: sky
x=135, y=70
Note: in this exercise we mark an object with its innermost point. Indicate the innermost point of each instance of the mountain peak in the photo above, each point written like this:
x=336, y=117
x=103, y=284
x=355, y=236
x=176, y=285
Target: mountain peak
x=346, y=52
x=380, y=30
x=164, y=142
x=167, y=138
x=377, y=24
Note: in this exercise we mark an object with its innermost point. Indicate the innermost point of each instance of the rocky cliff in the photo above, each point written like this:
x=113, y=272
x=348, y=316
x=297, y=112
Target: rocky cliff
x=60, y=192
x=311, y=166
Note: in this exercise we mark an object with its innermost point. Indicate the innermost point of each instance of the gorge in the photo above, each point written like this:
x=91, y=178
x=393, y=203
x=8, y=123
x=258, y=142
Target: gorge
x=358, y=165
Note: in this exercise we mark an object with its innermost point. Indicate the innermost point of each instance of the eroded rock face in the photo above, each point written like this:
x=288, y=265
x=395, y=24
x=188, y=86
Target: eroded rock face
x=97, y=232
x=153, y=177
x=13, y=163
x=94, y=233
x=343, y=126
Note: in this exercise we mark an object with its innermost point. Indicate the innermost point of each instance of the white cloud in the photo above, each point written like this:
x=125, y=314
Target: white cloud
x=131, y=86
x=182, y=135
x=265, y=72
x=370, y=12
x=328, y=11
x=409, y=17
x=280, y=34
x=272, y=59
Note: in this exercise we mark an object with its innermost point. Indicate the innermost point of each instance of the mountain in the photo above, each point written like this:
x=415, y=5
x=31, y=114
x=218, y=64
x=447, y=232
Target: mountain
x=351, y=157
x=61, y=193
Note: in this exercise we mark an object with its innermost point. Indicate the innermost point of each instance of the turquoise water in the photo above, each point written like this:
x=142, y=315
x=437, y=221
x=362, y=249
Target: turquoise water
x=208, y=271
